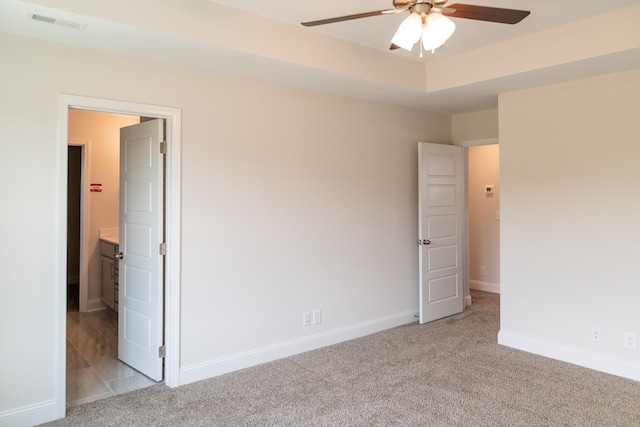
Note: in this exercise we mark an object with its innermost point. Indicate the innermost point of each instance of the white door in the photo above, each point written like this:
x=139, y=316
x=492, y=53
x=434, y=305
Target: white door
x=441, y=239
x=140, y=314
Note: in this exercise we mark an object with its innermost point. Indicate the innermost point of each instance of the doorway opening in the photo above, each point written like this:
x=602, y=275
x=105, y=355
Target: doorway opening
x=483, y=219
x=171, y=268
x=93, y=368
x=482, y=227
x=74, y=216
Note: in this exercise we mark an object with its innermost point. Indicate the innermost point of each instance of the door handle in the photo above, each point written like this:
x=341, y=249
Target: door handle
x=426, y=242
x=118, y=255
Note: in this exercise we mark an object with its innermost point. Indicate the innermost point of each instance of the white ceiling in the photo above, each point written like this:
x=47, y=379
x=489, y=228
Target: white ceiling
x=108, y=33
x=377, y=31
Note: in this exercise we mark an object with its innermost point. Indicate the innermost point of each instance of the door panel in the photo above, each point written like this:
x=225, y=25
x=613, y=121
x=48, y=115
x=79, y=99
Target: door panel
x=140, y=322
x=443, y=288
x=442, y=226
x=441, y=212
x=443, y=257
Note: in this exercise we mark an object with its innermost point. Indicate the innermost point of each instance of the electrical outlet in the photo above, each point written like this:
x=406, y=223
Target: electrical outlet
x=483, y=270
x=630, y=340
x=317, y=317
x=596, y=334
x=306, y=318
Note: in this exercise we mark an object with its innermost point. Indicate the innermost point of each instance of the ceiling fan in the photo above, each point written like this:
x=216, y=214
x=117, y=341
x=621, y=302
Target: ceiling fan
x=428, y=20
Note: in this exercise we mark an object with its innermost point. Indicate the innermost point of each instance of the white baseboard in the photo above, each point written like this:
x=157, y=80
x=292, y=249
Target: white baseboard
x=467, y=301
x=30, y=415
x=484, y=286
x=571, y=355
x=95, y=305
x=234, y=362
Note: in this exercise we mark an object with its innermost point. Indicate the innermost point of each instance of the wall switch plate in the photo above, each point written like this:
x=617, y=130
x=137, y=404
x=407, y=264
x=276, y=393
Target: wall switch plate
x=630, y=340
x=483, y=270
x=596, y=334
x=317, y=317
x=306, y=318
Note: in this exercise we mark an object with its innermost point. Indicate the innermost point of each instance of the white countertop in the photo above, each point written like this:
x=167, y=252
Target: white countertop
x=111, y=235
x=111, y=239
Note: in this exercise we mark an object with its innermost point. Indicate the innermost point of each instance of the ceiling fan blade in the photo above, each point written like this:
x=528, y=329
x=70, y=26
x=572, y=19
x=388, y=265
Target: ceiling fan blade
x=443, y=9
x=394, y=47
x=484, y=13
x=347, y=17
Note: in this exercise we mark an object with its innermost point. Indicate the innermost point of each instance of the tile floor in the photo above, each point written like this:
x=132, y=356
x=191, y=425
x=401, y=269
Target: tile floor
x=93, y=369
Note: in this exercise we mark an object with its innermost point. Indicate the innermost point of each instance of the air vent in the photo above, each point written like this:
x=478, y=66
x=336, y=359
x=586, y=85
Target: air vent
x=57, y=21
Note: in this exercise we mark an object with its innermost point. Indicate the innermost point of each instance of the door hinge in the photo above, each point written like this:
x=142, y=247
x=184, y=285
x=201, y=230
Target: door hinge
x=161, y=351
x=163, y=147
x=163, y=249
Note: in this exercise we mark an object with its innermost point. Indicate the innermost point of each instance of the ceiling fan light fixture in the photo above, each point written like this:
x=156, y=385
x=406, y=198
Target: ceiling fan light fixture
x=437, y=29
x=408, y=32
x=426, y=21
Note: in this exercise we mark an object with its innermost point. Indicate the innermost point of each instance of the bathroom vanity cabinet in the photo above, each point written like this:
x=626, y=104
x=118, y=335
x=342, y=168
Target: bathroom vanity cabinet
x=108, y=250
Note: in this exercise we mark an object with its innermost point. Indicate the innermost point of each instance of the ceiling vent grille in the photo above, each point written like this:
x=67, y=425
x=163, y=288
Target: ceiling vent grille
x=57, y=21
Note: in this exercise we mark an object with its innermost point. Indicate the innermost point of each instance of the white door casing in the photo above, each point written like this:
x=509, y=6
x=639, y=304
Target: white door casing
x=173, y=117
x=441, y=236
x=140, y=315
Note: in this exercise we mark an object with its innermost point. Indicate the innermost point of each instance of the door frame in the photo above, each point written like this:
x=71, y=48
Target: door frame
x=173, y=117
x=83, y=281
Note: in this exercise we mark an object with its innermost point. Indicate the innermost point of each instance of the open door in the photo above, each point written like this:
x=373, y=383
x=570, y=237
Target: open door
x=441, y=237
x=140, y=314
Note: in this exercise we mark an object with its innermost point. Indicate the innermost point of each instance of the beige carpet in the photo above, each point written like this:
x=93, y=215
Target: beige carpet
x=447, y=373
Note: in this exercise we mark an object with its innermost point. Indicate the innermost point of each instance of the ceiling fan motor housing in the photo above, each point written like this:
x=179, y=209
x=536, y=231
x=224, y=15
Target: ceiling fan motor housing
x=421, y=7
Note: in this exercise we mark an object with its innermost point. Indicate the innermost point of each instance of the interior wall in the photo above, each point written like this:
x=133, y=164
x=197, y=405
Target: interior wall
x=474, y=126
x=103, y=132
x=484, y=224
x=569, y=238
x=292, y=200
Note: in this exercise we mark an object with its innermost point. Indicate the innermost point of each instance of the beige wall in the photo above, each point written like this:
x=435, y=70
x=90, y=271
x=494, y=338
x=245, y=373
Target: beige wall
x=102, y=131
x=569, y=228
x=484, y=229
x=292, y=200
x=475, y=126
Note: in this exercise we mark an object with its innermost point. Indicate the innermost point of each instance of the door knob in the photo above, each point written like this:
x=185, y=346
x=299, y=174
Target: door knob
x=118, y=255
x=426, y=242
